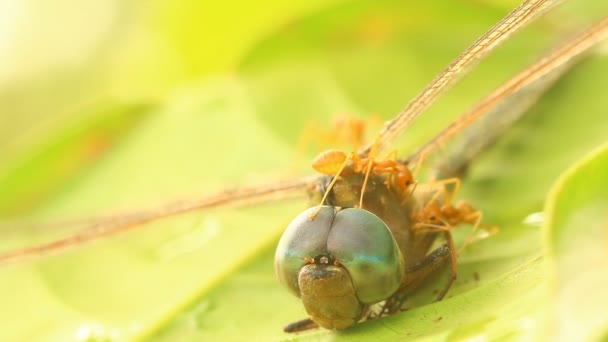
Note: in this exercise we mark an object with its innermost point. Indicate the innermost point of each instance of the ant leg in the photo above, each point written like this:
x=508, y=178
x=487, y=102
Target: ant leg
x=390, y=178
x=430, y=228
x=448, y=194
x=410, y=194
x=316, y=136
x=343, y=130
x=455, y=182
x=303, y=142
x=333, y=182
x=392, y=156
x=419, y=163
x=435, y=196
x=453, y=261
x=491, y=230
x=369, y=168
x=303, y=325
x=471, y=239
x=356, y=130
x=476, y=216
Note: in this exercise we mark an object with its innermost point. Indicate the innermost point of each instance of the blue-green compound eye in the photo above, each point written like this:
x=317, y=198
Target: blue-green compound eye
x=357, y=239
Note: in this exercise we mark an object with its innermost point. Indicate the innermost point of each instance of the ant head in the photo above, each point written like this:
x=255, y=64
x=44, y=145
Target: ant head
x=432, y=213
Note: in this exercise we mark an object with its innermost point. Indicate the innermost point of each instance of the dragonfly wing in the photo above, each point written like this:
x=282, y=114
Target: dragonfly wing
x=515, y=20
x=504, y=106
x=111, y=225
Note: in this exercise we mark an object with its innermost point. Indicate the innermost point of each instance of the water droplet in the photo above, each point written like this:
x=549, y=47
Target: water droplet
x=535, y=219
x=478, y=338
x=527, y=323
x=190, y=241
x=90, y=332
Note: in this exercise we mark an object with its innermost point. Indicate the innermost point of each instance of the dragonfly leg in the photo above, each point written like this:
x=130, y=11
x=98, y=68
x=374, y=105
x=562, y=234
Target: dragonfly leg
x=302, y=325
x=423, y=270
x=453, y=262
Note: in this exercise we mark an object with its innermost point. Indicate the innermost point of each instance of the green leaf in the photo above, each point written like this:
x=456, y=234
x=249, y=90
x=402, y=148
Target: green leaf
x=576, y=235
x=43, y=171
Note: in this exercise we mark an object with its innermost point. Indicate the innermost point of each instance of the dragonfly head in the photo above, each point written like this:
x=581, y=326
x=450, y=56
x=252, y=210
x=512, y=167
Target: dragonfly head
x=339, y=263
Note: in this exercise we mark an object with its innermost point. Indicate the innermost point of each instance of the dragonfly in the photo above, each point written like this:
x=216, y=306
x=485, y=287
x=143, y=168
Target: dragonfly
x=247, y=195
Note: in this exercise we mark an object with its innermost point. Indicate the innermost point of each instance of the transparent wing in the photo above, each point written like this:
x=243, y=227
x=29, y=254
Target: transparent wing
x=102, y=227
x=89, y=230
x=486, y=43
x=501, y=108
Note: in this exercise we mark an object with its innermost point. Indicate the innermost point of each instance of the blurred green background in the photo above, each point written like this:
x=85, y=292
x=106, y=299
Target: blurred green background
x=113, y=106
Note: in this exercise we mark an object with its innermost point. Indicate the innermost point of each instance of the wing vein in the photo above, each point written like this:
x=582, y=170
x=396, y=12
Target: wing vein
x=123, y=223
x=554, y=60
x=486, y=43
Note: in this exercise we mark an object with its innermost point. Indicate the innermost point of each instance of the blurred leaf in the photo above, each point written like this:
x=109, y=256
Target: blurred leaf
x=577, y=238
x=214, y=36
x=118, y=52
x=46, y=168
x=471, y=315
x=299, y=64
x=137, y=271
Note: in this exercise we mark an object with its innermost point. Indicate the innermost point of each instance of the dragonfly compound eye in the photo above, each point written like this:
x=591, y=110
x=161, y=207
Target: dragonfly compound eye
x=356, y=262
